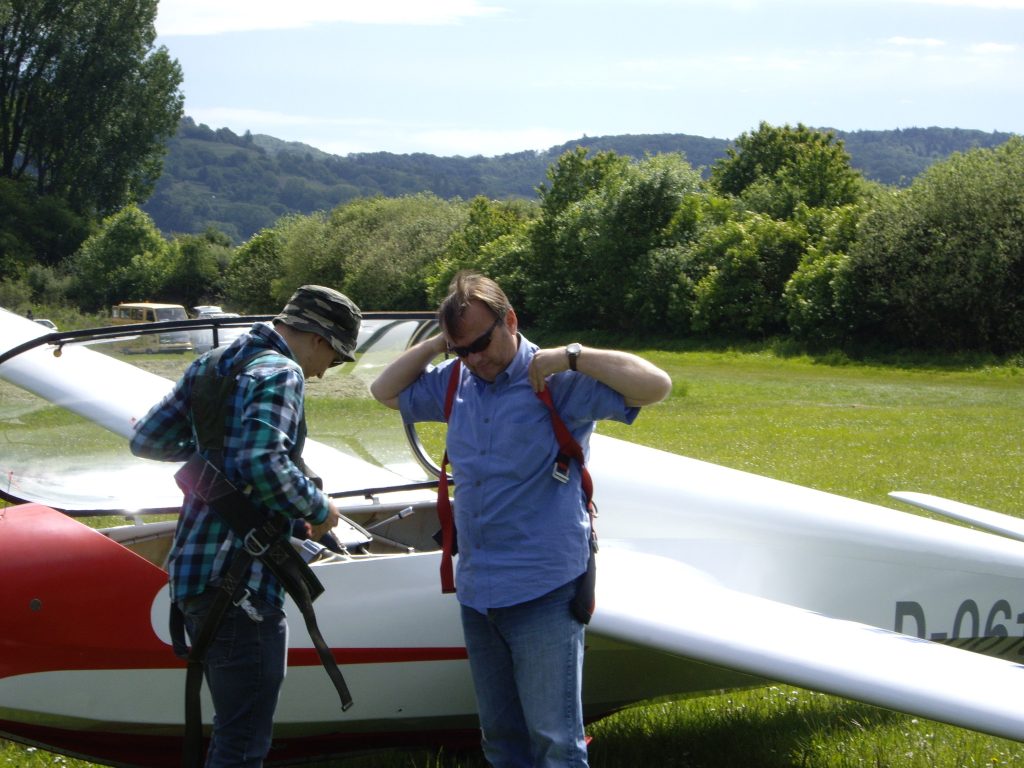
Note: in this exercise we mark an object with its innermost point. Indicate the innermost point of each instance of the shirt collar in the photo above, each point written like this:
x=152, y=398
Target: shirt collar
x=520, y=364
x=264, y=334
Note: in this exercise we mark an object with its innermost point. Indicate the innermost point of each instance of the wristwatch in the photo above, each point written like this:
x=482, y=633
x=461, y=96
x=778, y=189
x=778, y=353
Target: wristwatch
x=572, y=351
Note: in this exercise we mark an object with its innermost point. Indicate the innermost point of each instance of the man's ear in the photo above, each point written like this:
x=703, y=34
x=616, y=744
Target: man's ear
x=325, y=341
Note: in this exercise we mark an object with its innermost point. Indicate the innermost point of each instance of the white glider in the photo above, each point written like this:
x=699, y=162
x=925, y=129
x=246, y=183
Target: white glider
x=709, y=578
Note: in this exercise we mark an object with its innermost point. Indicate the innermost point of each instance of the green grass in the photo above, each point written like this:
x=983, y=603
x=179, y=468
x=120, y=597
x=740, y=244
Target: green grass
x=861, y=430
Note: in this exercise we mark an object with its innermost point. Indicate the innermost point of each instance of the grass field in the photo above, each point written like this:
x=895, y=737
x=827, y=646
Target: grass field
x=860, y=430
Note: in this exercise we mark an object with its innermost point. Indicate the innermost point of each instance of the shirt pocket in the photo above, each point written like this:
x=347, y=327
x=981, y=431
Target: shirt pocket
x=522, y=449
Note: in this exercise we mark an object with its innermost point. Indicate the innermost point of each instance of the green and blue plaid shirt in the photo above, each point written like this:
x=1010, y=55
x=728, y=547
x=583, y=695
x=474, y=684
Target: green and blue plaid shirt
x=263, y=419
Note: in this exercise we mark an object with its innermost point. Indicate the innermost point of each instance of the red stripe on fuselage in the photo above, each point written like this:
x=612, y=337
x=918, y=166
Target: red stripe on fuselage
x=307, y=657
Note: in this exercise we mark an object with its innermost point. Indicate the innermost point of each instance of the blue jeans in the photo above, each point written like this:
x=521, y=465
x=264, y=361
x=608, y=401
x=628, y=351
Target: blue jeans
x=244, y=669
x=527, y=666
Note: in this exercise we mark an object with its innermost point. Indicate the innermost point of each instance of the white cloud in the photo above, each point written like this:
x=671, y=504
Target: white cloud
x=986, y=49
x=995, y=5
x=444, y=142
x=916, y=42
x=466, y=142
x=211, y=17
x=751, y=5
x=371, y=134
x=260, y=120
x=487, y=142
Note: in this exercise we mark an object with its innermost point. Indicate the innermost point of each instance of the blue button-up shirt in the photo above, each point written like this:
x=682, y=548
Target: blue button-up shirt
x=521, y=532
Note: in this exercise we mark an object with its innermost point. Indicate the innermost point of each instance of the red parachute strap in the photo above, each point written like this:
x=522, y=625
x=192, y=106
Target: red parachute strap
x=444, y=504
x=570, y=449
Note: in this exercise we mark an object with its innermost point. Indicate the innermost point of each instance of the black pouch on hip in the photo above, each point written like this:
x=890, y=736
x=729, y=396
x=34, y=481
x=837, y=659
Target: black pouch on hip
x=584, y=601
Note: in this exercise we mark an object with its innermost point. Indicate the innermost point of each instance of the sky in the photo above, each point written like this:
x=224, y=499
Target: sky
x=490, y=77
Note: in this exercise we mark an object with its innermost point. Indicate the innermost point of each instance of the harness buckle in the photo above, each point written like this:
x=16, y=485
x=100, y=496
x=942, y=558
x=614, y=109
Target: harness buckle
x=250, y=609
x=206, y=482
x=253, y=545
x=560, y=472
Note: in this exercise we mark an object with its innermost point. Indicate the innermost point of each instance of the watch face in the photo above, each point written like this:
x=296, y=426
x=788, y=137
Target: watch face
x=572, y=351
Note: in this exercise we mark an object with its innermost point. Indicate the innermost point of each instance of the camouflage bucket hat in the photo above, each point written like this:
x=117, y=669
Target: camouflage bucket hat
x=325, y=311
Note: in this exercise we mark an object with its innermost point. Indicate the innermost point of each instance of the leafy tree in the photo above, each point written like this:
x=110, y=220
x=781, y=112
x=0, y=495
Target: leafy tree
x=250, y=275
x=15, y=295
x=774, y=169
x=739, y=269
x=376, y=250
x=49, y=286
x=656, y=206
x=34, y=229
x=85, y=101
x=551, y=281
x=488, y=243
x=941, y=264
x=574, y=176
x=197, y=263
x=304, y=243
x=601, y=217
x=819, y=296
x=126, y=260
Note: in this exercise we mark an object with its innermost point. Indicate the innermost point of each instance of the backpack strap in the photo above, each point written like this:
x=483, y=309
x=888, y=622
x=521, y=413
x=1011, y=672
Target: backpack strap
x=208, y=402
x=444, y=504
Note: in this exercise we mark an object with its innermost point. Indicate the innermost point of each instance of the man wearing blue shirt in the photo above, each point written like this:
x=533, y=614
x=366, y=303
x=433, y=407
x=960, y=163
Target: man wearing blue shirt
x=523, y=536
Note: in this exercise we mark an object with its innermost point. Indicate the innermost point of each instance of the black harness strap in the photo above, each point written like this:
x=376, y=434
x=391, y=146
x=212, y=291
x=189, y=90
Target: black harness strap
x=229, y=591
x=271, y=546
x=262, y=539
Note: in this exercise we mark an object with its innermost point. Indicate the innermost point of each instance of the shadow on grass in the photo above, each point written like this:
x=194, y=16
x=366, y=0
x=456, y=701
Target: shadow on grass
x=727, y=736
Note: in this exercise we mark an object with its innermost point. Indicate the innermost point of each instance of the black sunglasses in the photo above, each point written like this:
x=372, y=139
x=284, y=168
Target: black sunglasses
x=479, y=344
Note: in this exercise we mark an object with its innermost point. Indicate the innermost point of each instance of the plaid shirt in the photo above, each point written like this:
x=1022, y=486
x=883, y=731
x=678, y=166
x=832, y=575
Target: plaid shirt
x=263, y=418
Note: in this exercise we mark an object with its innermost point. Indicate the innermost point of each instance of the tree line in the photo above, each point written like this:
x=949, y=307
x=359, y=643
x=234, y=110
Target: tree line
x=241, y=184
x=783, y=239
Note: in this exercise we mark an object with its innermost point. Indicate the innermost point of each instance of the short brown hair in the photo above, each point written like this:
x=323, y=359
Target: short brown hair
x=466, y=287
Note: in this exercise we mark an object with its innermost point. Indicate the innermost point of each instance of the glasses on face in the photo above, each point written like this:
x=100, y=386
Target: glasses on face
x=479, y=344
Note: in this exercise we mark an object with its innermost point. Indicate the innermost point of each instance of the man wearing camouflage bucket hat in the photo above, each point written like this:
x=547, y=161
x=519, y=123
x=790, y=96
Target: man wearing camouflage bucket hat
x=262, y=414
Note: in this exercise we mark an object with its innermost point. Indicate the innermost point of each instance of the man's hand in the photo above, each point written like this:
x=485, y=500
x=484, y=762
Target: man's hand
x=545, y=363
x=638, y=381
x=318, y=531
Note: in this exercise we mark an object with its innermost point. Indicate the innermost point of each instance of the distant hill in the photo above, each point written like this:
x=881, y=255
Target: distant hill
x=241, y=184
